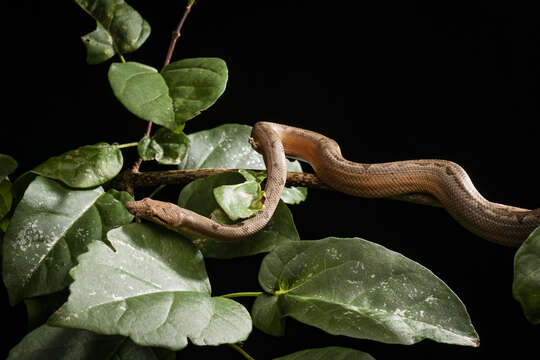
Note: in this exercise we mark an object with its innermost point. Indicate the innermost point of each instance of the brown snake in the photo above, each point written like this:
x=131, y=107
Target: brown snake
x=444, y=180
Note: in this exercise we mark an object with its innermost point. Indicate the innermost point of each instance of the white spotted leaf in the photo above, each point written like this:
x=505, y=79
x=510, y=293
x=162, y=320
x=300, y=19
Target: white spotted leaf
x=51, y=226
x=360, y=289
x=153, y=288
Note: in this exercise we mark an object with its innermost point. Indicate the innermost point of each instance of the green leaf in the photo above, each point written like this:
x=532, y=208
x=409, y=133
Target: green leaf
x=7, y=165
x=39, y=308
x=99, y=45
x=50, y=227
x=6, y=198
x=4, y=223
x=360, y=289
x=152, y=288
x=20, y=185
x=526, y=287
x=119, y=29
x=198, y=196
x=331, y=352
x=143, y=91
x=267, y=316
x=85, y=167
x=112, y=211
x=239, y=201
x=48, y=342
x=294, y=195
x=227, y=146
x=166, y=147
x=194, y=85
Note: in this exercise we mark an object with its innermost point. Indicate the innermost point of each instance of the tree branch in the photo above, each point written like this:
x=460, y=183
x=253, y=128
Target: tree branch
x=129, y=180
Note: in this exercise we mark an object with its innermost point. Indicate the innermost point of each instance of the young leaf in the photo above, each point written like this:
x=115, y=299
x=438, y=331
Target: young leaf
x=227, y=146
x=49, y=228
x=331, y=352
x=194, y=85
x=360, y=289
x=166, y=147
x=143, y=91
x=198, y=196
x=48, y=342
x=7, y=165
x=152, y=288
x=239, y=201
x=85, y=167
x=526, y=287
x=119, y=29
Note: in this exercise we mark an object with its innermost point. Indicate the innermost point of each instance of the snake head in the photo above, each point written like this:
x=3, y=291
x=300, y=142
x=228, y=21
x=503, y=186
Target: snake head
x=159, y=212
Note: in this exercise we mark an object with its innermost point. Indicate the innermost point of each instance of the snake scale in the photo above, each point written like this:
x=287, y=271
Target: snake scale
x=444, y=180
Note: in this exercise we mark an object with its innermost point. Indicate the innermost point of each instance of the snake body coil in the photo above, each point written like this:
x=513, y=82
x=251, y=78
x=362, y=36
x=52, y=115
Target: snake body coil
x=443, y=180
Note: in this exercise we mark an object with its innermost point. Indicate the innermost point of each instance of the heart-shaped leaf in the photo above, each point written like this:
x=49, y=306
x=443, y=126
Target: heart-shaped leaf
x=7, y=165
x=331, y=352
x=198, y=196
x=227, y=146
x=143, y=91
x=119, y=29
x=50, y=227
x=165, y=146
x=152, y=288
x=526, y=287
x=48, y=342
x=194, y=85
x=360, y=289
x=85, y=167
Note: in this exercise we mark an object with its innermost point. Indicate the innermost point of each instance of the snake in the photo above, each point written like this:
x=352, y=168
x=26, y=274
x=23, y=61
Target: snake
x=443, y=180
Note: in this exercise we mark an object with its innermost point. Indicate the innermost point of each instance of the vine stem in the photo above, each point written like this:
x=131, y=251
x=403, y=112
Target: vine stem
x=242, y=294
x=131, y=144
x=175, y=35
x=241, y=351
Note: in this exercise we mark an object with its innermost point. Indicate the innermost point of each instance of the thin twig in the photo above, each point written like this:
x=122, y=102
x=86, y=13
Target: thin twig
x=172, y=45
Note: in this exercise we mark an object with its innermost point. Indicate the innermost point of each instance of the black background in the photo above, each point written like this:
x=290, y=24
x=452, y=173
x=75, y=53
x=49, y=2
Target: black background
x=388, y=80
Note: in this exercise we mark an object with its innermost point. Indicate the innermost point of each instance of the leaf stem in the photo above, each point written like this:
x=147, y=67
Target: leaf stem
x=242, y=294
x=241, y=351
x=131, y=144
x=156, y=190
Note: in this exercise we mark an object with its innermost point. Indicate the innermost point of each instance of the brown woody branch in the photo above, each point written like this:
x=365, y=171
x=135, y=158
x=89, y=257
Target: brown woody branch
x=129, y=180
